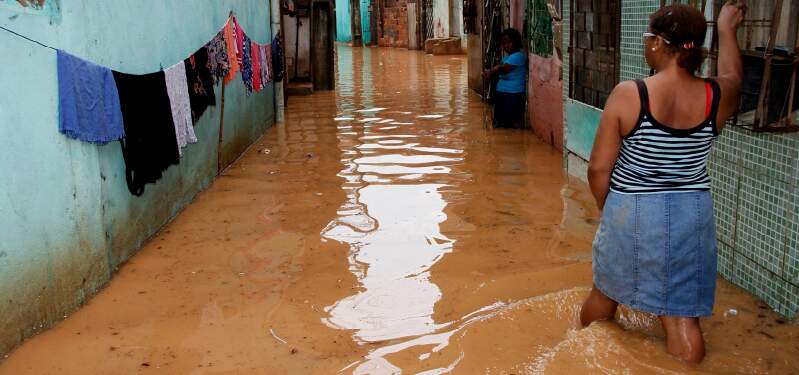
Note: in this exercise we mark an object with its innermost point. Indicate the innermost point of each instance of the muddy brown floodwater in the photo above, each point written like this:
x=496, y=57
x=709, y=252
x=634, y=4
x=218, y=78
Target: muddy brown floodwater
x=384, y=229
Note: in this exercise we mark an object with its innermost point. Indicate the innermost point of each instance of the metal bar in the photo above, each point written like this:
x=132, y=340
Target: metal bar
x=761, y=116
x=792, y=91
x=792, y=88
x=714, y=40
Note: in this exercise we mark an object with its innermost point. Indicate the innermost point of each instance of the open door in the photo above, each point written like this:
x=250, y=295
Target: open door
x=322, y=35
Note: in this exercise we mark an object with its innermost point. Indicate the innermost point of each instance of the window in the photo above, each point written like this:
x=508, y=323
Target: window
x=770, y=48
x=594, y=62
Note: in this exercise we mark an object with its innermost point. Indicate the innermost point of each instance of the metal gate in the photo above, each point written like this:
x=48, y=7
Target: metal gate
x=496, y=17
x=427, y=20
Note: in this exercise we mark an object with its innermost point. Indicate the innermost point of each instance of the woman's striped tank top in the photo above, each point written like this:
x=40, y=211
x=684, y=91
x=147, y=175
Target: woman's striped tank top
x=655, y=158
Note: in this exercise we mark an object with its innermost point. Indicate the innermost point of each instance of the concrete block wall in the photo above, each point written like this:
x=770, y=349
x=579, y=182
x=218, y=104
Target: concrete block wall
x=395, y=24
x=68, y=220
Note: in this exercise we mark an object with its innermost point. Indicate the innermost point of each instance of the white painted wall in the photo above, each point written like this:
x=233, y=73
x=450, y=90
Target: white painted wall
x=304, y=57
x=441, y=9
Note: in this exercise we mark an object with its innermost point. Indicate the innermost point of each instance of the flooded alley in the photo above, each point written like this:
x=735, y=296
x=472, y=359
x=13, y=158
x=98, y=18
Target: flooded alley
x=385, y=228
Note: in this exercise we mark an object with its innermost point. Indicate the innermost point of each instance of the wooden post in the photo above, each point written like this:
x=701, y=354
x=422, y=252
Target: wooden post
x=221, y=123
x=355, y=14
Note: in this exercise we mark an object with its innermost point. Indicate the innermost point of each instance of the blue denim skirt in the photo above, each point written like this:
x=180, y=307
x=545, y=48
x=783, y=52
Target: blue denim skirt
x=657, y=252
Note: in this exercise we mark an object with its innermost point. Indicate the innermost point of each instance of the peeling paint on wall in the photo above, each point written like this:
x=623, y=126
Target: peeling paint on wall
x=48, y=8
x=544, y=99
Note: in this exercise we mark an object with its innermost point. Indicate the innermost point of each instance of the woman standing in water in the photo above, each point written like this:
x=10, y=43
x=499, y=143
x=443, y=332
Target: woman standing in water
x=510, y=95
x=655, y=250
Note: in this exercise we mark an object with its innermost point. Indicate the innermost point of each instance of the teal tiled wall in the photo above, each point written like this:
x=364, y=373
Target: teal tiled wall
x=634, y=21
x=757, y=214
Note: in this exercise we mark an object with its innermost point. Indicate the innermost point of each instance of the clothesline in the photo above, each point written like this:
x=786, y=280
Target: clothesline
x=27, y=38
x=12, y=32
x=153, y=114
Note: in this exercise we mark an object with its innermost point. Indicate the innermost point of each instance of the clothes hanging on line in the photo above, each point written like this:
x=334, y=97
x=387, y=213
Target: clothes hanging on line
x=200, y=83
x=277, y=59
x=232, y=52
x=266, y=64
x=218, y=61
x=150, y=144
x=255, y=53
x=239, y=34
x=88, y=101
x=178, y=92
x=246, y=63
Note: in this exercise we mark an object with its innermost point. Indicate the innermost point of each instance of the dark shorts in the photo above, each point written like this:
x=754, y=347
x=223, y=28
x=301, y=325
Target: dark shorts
x=509, y=109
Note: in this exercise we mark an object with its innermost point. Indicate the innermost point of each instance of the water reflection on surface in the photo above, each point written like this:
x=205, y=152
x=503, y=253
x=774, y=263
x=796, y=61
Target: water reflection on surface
x=468, y=246
x=391, y=218
x=422, y=242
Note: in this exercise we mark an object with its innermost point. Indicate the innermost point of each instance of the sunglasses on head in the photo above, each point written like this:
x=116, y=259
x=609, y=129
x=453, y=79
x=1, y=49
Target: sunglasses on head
x=653, y=35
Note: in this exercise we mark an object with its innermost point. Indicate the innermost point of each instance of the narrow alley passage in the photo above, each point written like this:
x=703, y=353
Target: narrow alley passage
x=384, y=228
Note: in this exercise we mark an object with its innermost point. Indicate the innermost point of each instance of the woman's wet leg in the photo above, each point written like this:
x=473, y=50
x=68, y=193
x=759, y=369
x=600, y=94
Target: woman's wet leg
x=597, y=306
x=684, y=338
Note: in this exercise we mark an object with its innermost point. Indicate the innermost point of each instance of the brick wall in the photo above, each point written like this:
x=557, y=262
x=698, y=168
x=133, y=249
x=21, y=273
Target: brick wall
x=595, y=27
x=395, y=24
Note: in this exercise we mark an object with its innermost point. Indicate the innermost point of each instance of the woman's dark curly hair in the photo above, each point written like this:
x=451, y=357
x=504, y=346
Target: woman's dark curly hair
x=684, y=27
x=515, y=37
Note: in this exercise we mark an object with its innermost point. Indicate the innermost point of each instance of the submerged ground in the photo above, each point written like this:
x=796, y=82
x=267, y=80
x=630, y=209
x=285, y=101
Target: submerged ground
x=384, y=228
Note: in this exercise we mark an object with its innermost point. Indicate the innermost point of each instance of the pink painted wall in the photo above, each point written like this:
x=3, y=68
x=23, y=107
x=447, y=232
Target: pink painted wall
x=517, y=8
x=545, y=99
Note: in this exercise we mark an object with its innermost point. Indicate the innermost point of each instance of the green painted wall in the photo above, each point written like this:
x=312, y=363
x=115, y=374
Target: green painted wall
x=343, y=21
x=583, y=120
x=68, y=219
x=366, y=23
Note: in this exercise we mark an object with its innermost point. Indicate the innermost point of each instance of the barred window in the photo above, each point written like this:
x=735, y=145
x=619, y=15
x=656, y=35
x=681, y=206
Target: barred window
x=594, y=49
x=770, y=47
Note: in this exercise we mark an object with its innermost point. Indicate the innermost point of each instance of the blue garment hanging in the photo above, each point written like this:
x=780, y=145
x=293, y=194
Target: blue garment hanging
x=88, y=101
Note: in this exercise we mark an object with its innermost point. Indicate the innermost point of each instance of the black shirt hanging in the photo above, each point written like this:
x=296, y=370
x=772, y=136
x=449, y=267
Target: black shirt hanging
x=150, y=145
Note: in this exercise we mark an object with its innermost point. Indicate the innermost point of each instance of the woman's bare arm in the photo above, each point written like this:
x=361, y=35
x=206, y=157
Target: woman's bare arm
x=730, y=72
x=622, y=104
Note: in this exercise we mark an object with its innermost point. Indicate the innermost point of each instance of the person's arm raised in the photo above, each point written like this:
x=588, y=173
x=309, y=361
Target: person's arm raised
x=730, y=68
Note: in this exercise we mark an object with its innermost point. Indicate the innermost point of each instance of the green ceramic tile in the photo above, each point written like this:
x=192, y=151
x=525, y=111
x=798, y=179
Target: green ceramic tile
x=760, y=230
x=724, y=186
x=789, y=300
x=634, y=22
x=726, y=261
x=772, y=155
x=756, y=279
x=791, y=269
